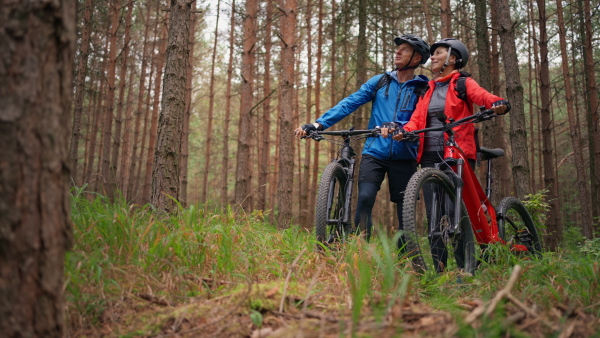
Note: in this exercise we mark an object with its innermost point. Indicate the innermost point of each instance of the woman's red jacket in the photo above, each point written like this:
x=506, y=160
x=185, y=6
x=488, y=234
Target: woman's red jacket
x=456, y=109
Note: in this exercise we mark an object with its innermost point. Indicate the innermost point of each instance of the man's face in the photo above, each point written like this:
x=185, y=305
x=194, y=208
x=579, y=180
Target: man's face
x=403, y=54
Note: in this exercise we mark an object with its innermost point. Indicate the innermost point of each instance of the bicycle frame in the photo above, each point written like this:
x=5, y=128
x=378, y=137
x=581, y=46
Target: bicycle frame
x=482, y=213
x=346, y=159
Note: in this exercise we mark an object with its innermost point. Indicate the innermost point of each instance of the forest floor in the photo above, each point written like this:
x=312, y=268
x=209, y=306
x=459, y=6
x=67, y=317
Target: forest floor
x=206, y=273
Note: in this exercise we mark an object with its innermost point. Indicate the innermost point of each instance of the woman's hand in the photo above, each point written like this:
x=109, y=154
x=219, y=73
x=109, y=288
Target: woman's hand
x=501, y=107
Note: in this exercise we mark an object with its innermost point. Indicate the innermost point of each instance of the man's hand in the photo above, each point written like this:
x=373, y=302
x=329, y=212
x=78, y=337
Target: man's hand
x=501, y=107
x=305, y=129
x=388, y=128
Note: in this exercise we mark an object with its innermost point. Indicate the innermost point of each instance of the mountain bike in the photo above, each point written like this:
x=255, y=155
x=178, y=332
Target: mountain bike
x=447, y=213
x=333, y=214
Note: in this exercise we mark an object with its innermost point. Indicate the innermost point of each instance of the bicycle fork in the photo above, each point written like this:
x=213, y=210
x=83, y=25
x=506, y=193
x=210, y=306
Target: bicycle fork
x=456, y=177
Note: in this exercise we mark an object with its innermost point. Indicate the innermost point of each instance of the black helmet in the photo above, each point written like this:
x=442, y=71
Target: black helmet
x=457, y=48
x=417, y=44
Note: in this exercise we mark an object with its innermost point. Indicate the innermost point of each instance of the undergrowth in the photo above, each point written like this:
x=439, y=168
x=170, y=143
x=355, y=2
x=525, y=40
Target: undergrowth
x=124, y=253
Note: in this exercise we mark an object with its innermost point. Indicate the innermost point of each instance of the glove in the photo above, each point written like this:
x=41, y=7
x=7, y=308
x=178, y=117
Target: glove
x=311, y=127
x=389, y=125
x=500, y=103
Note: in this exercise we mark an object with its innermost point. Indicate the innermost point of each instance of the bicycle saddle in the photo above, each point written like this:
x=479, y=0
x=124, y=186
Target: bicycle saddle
x=488, y=154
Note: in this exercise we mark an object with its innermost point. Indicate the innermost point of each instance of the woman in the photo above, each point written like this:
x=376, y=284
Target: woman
x=448, y=56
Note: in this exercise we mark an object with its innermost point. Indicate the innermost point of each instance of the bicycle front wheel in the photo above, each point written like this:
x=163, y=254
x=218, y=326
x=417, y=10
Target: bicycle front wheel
x=331, y=201
x=432, y=241
x=516, y=226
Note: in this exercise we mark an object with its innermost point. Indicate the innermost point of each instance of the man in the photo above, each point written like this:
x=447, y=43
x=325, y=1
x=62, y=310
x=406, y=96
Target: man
x=394, y=95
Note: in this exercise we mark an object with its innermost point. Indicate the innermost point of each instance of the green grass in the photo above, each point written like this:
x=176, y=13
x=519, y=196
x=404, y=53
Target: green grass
x=123, y=252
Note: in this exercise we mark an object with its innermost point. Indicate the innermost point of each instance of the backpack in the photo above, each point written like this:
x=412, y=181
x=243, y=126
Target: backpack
x=461, y=86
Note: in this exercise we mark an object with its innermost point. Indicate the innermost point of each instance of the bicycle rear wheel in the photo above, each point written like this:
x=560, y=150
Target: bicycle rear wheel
x=516, y=226
x=330, y=209
x=431, y=241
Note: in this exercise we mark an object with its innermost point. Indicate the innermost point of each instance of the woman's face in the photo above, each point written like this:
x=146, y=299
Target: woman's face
x=439, y=58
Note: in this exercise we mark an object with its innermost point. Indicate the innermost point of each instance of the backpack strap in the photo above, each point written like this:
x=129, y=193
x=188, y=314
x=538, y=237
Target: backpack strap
x=384, y=81
x=461, y=86
x=421, y=89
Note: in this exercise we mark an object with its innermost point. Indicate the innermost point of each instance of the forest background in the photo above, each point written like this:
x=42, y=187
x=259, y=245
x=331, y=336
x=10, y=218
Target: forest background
x=258, y=69
x=193, y=104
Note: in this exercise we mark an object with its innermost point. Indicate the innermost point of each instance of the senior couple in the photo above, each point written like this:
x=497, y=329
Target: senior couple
x=412, y=102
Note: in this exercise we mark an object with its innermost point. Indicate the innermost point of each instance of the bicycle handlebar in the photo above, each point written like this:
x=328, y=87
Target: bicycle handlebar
x=318, y=134
x=483, y=115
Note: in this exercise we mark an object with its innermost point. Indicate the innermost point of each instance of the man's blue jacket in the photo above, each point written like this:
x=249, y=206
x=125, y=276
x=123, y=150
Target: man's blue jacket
x=397, y=106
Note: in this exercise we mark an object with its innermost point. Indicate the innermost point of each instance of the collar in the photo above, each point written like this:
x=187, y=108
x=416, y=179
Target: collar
x=447, y=77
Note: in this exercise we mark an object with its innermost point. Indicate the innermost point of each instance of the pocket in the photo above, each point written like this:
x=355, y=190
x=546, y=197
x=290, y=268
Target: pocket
x=409, y=102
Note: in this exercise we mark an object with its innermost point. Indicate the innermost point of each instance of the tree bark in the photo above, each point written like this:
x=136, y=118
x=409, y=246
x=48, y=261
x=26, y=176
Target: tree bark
x=316, y=148
x=493, y=130
x=153, y=132
x=120, y=103
x=305, y=182
x=265, y=125
x=107, y=174
x=183, y=196
x=286, y=154
x=554, y=228
x=446, y=19
x=211, y=106
x=514, y=93
x=225, y=150
x=166, y=171
x=80, y=90
x=129, y=162
x=36, y=72
x=243, y=172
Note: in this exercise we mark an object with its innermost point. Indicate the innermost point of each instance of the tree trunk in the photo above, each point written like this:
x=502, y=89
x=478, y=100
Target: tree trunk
x=286, y=154
x=554, y=228
x=107, y=174
x=265, y=125
x=514, y=93
x=185, y=137
x=316, y=148
x=243, y=172
x=166, y=171
x=225, y=150
x=153, y=133
x=120, y=103
x=592, y=110
x=211, y=106
x=333, y=65
x=36, y=72
x=446, y=19
x=80, y=90
x=492, y=130
x=586, y=212
x=94, y=130
x=428, y=25
x=305, y=182
x=129, y=161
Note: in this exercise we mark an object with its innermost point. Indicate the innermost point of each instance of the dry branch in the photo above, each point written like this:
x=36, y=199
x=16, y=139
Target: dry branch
x=287, y=279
